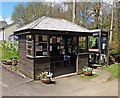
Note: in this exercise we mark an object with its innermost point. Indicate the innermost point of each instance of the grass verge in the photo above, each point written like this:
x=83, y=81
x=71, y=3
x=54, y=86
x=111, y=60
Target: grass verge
x=89, y=77
x=114, y=70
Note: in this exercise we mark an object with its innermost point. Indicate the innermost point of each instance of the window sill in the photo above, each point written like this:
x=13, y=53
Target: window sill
x=84, y=53
x=29, y=56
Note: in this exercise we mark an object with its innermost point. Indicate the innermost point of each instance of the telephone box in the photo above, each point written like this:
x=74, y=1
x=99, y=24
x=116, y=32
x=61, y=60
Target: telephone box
x=98, y=48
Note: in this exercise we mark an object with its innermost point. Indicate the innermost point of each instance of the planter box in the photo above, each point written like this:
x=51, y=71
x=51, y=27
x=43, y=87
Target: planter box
x=88, y=73
x=9, y=62
x=46, y=80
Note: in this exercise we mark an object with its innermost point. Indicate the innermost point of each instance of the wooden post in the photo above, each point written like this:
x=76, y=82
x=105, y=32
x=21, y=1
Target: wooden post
x=99, y=47
x=107, y=48
x=77, y=63
x=77, y=58
x=65, y=45
x=77, y=40
x=87, y=43
x=87, y=46
x=34, y=54
x=48, y=45
x=33, y=44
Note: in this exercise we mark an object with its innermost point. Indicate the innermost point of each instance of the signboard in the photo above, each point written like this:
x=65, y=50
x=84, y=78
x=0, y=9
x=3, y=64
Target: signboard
x=94, y=50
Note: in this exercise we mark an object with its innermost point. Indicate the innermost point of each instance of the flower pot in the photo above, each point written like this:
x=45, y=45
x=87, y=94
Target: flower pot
x=88, y=73
x=8, y=62
x=14, y=62
x=45, y=80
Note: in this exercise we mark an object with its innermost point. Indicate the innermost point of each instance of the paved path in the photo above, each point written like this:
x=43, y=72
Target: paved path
x=10, y=79
x=69, y=86
x=103, y=75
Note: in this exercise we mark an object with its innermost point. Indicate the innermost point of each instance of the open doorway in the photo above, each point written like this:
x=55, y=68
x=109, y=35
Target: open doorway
x=63, y=54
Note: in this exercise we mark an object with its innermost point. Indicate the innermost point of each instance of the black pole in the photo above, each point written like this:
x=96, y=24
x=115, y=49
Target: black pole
x=3, y=33
x=99, y=47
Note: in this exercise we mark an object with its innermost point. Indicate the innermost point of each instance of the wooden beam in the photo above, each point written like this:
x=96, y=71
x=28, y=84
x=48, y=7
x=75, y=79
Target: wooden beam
x=48, y=45
x=99, y=48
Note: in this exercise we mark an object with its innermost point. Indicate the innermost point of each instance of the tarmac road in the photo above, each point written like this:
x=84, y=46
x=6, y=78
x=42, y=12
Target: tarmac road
x=14, y=85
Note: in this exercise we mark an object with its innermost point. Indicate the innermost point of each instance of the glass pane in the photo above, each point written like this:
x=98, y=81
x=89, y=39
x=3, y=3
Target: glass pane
x=82, y=44
x=44, y=37
x=29, y=44
x=29, y=37
x=41, y=45
x=94, y=41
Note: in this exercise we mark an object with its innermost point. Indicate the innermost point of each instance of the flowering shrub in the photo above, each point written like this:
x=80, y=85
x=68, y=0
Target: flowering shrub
x=9, y=49
x=44, y=75
x=11, y=45
x=87, y=69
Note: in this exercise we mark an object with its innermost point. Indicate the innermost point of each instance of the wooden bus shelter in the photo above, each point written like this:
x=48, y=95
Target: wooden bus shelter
x=58, y=46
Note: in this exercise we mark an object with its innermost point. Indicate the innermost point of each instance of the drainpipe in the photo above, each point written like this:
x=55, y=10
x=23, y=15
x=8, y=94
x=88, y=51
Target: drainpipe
x=3, y=34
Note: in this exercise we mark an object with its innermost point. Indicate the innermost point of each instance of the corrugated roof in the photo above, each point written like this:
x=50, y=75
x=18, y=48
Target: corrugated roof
x=47, y=23
x=2, y=24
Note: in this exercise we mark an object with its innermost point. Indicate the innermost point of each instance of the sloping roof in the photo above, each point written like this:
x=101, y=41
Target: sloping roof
x=2, y=24
x=47, y=23
x=13, y=23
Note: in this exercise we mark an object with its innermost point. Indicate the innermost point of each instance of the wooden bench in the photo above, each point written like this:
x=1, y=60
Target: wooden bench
x=61, y=62
x=54, y=62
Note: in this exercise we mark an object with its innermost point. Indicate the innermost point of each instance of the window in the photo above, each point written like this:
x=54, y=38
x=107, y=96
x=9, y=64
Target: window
x=93, y=42
x=72, y=46
x=29, y=37
x=54, y=45
x=82, y=44
x=29, y=44
x=41, y=42
x=74, y=41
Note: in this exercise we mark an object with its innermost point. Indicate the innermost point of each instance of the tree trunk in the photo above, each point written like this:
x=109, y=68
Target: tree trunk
x=111, y=26
x=73, y=20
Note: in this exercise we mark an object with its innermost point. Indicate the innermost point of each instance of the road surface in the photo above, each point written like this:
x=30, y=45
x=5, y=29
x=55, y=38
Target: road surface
x=14, y=85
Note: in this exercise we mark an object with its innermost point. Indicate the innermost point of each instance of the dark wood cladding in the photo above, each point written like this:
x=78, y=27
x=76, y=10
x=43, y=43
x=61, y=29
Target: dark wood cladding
x=82, y=61
x=42, y=60
x=31, y=66
x=41, y=64
x=26, y=65
x=57, y=32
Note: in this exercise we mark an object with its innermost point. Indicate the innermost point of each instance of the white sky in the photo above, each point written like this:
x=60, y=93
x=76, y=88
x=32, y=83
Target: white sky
x=8, y=20
x=53, y=0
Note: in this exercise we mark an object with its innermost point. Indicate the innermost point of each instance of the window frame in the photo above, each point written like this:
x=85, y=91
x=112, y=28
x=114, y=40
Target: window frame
x=41, y=45
x=29, y=42
x=82, y=47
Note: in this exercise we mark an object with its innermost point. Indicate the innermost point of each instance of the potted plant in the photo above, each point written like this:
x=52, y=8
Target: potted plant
x=87, y=71
x=45, y=77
